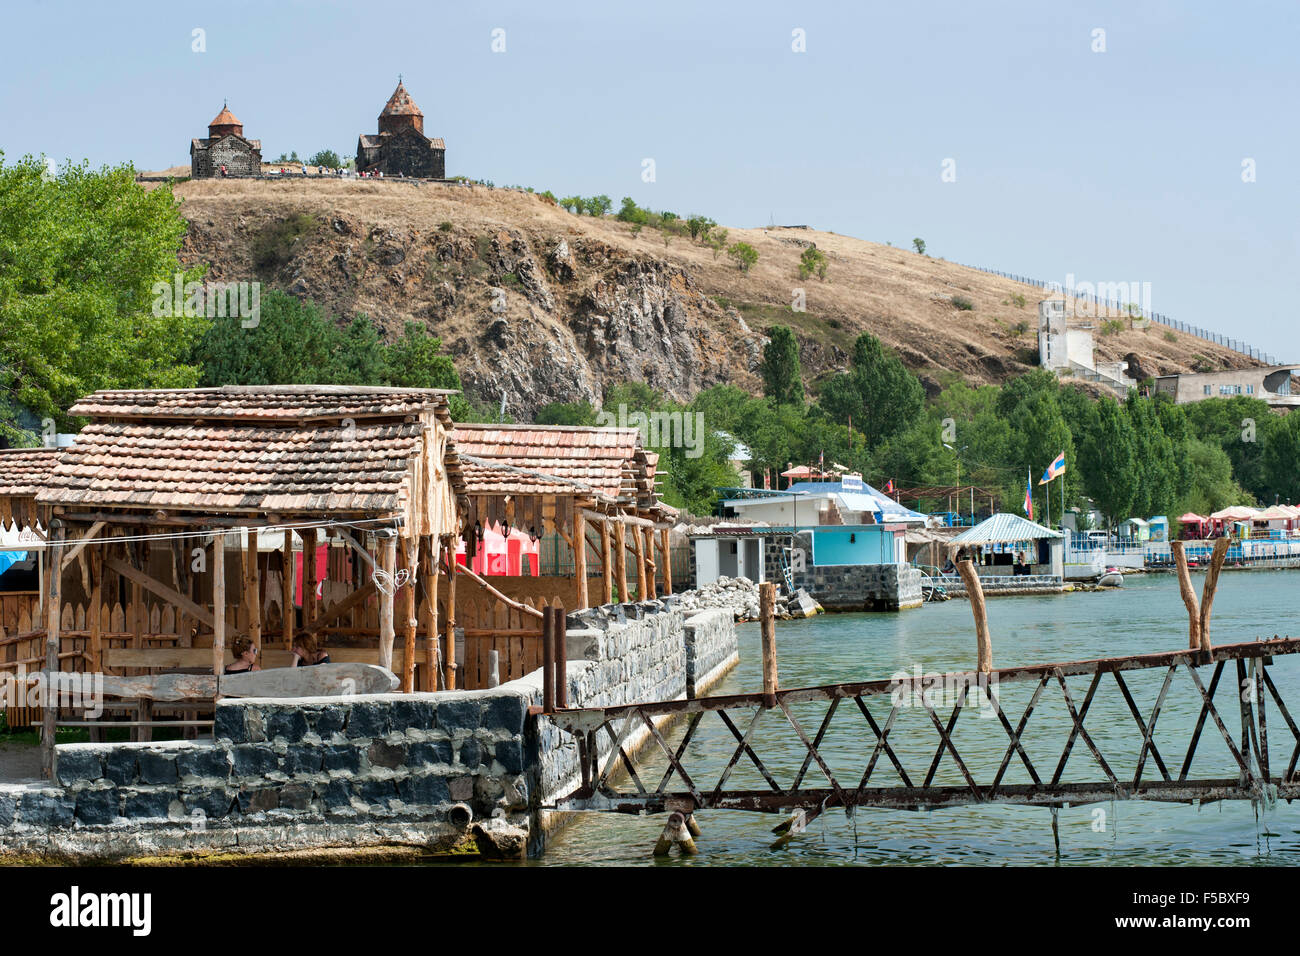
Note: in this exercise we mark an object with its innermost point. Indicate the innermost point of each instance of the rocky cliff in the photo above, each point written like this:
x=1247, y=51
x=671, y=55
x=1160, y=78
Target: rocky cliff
x=541, y=306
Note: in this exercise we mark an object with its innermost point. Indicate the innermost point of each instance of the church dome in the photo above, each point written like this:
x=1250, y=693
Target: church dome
x=400, y=111
x=224, y=124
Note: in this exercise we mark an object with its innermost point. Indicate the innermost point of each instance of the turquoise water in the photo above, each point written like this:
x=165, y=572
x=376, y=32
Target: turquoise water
x=1147, y=615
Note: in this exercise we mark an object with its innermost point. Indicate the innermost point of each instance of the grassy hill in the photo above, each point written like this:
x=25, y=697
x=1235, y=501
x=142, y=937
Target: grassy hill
x=543, y=306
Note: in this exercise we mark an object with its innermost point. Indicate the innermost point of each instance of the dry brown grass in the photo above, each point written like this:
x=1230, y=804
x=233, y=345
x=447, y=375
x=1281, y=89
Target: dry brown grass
x=903, y=298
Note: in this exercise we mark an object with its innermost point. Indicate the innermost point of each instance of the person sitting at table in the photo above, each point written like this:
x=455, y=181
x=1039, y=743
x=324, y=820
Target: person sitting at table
x=245, y=652
x=308, y=652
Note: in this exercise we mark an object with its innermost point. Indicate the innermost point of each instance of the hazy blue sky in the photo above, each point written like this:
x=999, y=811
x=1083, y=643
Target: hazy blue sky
x=1124, y=165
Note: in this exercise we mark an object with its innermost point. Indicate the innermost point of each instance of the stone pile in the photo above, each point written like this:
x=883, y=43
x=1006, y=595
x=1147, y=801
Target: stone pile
x=740, y=596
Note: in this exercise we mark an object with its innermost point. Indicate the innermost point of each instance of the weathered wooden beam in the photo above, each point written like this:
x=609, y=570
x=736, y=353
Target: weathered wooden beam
x=580, y=558
x=975, y=591
x=387, y=562
x=218, y=605
x=668, y=561
x=606, y=569
x=411, y=553
x=287, y=606
x=50, y=710
x=508, y=602
x=620, y=568
x=449, y=623
x=1210, y=586
x=170, y=595
x=1188, y=594
x=84, y=540
x=253, y=591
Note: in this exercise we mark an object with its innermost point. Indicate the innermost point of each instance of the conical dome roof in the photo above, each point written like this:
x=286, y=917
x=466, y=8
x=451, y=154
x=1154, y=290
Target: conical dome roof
x=224, y=124
x=400, y=104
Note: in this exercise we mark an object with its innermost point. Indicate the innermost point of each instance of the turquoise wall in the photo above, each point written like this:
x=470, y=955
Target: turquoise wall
x=853, y=544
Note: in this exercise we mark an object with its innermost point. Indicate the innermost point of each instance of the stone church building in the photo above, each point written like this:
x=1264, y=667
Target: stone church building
x=225, y=146
x=400, y=147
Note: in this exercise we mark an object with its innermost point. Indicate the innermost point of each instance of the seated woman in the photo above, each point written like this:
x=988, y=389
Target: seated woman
x=307, y=652
x=245, y=652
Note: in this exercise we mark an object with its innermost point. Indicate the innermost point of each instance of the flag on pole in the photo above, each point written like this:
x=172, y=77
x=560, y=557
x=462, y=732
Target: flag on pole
x=1029, y=498
x=1056, y=468
x=889, y=487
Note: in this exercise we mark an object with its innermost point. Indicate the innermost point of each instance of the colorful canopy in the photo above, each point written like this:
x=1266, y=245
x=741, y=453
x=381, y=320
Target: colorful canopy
x=1236, y=513
x=1191, y=518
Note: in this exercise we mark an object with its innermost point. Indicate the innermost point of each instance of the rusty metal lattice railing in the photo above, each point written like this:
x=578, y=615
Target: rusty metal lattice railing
x=612, y=779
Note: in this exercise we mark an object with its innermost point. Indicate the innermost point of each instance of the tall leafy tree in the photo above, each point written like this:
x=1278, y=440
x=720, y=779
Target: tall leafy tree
x=1282, y=458
x=1110, y=452
x=80, y=252
x=782, y=375
x=878, y=392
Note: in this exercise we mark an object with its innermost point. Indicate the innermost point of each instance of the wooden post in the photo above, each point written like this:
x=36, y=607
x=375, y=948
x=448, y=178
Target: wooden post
x=975, y=591
x=580, y=556
x=286, y=589
x=387, y=561
x=548, y=661
x=253, y=591
x=606, y=569
x=411, y=551
x=620, y=568
x=668, y=561
x=449, y=625
x=94, y=622
x=309, y=576
x=1211, y=584
x=50, y=702
x=1189, y=596
x=218, y=604
x=559, y=634
x=767, y=623
x=649, y=551
x=639, y=547
x=494, y=668
x=429, y=568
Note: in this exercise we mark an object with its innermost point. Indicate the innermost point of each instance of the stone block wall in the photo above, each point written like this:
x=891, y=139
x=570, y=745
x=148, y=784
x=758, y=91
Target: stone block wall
x=380, y=769
x=372, y=769
x=871, y=587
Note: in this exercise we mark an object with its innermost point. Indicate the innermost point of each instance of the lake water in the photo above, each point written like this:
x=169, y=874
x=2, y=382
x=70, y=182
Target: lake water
x=1147, y=615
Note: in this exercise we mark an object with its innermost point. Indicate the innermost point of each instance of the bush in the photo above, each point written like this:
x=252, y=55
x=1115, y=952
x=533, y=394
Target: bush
x=962, y=303
x=1112, y=327
x=325, y=157
x=1170, y=336
x=445, y=226
x=812, y=261
x=1019, y=300
x=744, y=254
x=919, y=246
x=273, y=246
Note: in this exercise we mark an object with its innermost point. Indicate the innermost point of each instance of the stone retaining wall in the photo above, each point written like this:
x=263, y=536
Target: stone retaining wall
x=427, y=769
x=871, y=587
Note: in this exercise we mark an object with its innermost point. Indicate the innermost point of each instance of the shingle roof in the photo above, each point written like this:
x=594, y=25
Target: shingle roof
x=599, y=458
x=225, y=118
x=1004, y=528
x=24, y=470
x=236, y=467
x=262, y=403
x=269, y=449
x=401, y=104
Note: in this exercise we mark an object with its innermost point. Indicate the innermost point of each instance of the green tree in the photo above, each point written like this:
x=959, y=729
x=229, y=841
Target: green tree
x=1241, y=426
x=325, y=157
x=416, y=360
x=358, y=356
x=566, y=413
x=717, y=240
x=782, y=376
x=878, y=393
x=1282, y=458
x=919, y=246
x=1111, y=451
x=744, y=254
x=1213, y=487
x=812, y=262
x=294, y=343
x=82, y=256
x=599, y=205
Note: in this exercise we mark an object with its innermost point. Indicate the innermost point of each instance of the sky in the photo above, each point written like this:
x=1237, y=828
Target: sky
x=1160, y=150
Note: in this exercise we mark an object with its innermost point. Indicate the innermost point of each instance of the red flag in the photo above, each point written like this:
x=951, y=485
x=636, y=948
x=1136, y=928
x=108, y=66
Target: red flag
x=1029, y=498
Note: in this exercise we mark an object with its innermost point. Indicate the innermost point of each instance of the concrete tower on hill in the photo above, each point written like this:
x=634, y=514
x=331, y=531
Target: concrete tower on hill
x=400, y=147
x=225, y=146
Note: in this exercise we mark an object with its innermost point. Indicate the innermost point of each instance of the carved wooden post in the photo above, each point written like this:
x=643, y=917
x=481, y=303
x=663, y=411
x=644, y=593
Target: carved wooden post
x=767, y=623
x=580, y=556
x=449, y=625
x=983, y=643
x=253, y=592
x=1211, y=584
x=410, y=551
x=218, y=604
x=668, y=561
x=1189, y=596
x=606, y=568
x=50, y=710
x=387, y=561
x=286, y=589
x=620, y=567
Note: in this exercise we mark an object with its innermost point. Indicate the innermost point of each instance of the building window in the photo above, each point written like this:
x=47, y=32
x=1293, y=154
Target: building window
x=1207, y=390
x=1250, y=389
